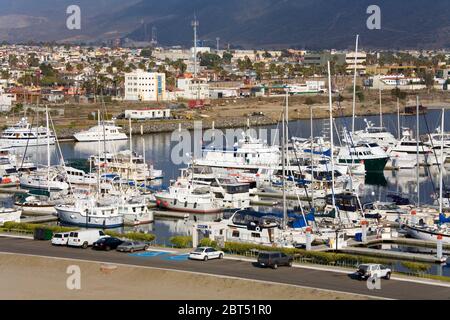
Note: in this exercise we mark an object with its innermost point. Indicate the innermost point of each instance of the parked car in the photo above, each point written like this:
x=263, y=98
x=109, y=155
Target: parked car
x=366, y=271
x=85, y=238
x=107, y=244
x=206, y=253
x=132, y=246
x=60, y=239
x=274, y=259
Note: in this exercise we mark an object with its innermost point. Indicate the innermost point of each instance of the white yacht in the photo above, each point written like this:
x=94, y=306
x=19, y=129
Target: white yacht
x=406, y=149
x=370, y=154
x=92, y=213
x=135, y=211
x=249, y=226
x=128, y=165
x=9, y=215
x=47, y=179
x=187, y=196
x=248, y=154
x=23, y=134
x=380, y=135
x=105, y=131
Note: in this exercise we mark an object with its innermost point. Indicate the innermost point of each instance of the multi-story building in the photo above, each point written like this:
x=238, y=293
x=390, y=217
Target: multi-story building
x=190, y=88
x=145, y=86
x=361, y=59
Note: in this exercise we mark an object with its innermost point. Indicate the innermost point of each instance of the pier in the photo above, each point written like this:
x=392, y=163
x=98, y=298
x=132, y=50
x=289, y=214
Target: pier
x=393, y=255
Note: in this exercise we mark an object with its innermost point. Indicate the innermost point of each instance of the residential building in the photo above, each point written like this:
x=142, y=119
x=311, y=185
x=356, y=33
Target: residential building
x=190, y=88
x=145, y=86
x=361, y=59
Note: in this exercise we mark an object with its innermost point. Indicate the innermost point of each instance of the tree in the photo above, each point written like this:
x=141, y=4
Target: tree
x=227, y=57
x=146, y=53
x=397, y=93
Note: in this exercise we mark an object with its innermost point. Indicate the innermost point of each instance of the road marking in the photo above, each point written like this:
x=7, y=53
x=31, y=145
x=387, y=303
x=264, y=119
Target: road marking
x=148, y=254
x=202, y=274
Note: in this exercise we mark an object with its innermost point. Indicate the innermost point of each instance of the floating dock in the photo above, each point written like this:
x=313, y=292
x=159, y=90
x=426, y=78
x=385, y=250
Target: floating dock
x=393, y=255
x=40, y=219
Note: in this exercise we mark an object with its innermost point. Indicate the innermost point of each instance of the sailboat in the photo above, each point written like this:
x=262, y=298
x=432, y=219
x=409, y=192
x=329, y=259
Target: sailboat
x=441, y=229
x=49, y=178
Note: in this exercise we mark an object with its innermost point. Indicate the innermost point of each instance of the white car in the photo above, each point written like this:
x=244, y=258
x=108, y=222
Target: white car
x=205, y=254
x=366, y=271
x=60, y=239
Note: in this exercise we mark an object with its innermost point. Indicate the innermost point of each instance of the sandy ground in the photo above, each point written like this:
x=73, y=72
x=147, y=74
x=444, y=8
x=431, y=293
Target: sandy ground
x=29, y=278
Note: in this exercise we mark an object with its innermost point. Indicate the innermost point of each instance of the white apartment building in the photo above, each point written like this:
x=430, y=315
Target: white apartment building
x=361, y=59
x=6, y=101
x=145, y=86
x=191, y=88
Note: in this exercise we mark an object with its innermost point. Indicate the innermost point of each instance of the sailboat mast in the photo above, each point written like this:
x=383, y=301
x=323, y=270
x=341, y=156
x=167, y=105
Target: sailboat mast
x=131, y=141
x=354, y=84
x=48, y=148
x=398, y=119
x=441, y=174
x=331, y=133
x=283, y=159
x=99, y=156
x=381, y=109
x=312, y=157
x=417, y=151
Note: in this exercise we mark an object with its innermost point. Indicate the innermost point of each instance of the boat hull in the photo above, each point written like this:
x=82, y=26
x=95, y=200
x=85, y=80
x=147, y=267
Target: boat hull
x=72, y=217
x=10, y=216
x=418, y=233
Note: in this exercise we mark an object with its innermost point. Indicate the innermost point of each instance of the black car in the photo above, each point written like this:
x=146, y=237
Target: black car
x=107, y=244
x=274, y=259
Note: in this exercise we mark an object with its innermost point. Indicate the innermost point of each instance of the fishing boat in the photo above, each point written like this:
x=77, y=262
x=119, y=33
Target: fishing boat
x=9, y=215
x=105, y=131
x=23, y=134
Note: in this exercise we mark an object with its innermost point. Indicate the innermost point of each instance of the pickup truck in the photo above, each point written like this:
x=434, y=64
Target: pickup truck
x=366, y=271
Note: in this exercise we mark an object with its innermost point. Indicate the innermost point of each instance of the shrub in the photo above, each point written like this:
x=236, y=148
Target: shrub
x=207, y=242
x=416, y=266
x=312, y=256
x=181, y=242
x=11, y=226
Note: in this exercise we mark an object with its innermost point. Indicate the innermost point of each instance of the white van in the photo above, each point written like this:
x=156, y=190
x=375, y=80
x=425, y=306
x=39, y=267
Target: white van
x=85, y=238
x=60, y=239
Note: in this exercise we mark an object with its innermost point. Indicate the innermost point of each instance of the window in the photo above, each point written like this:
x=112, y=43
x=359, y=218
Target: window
x=256, y=235
x=235, y=234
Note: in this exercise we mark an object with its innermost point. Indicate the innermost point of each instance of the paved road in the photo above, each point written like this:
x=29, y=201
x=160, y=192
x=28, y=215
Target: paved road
x=296, y=276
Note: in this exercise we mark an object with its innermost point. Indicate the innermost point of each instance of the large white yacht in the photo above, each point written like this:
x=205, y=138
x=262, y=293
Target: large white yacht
x=379, y=135
x=23, y=134
x=248, y=154
x=104, y=131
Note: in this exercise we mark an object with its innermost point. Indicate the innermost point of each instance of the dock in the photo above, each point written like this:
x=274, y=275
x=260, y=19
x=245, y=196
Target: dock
x=12, y=189
x=279, y=195
x=170, y=214
x=40, y=219
x=393, y=255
